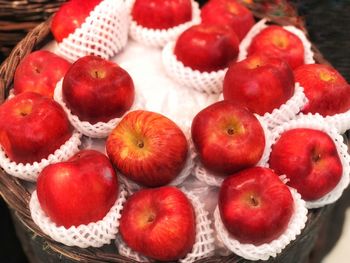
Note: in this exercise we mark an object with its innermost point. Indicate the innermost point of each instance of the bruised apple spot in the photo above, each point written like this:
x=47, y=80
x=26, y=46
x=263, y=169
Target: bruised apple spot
x=98, y=74
x=24, y=108
x=254, y=62
x=327, y=76
x=280, y=42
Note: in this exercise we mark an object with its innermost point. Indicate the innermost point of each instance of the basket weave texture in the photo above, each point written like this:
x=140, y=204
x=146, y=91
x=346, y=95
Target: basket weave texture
x=19, y=17
x=15, y=192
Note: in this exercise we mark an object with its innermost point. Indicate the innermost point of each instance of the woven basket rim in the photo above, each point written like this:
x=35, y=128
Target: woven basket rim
x=16, y=195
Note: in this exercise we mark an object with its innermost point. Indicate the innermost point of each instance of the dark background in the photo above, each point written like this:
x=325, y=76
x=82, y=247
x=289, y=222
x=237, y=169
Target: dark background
x=328, y=24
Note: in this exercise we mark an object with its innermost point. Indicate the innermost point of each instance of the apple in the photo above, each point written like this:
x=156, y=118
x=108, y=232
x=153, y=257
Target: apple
x=309, y=159
x=32, y=127
x=79, y=191
x=39, y=72
x=255, y=206
x=227, y=137
x=147, y=148
x=159, y=223
x=259, y=83
x=97, y=90
x=70, y=16
x=160, y=14
x=327, y=91
x=228, y=12
x=207, y=47
x=275, y=41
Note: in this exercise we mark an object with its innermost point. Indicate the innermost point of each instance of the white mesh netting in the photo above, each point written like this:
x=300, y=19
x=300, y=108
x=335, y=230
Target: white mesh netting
x=262, y=24
x=99, y=129
x=95, y=234
x=265, y=251
x=213, y=179
x=104, y=33
x=157, y=37
x=207, y=82
x=30, y=172
x=186, y=171
x=340, y=121
x=204, y=243
x=288, y=110
x=317, y=122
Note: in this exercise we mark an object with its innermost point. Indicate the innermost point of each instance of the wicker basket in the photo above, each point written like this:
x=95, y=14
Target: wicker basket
x=41, y=248
x=17, y=18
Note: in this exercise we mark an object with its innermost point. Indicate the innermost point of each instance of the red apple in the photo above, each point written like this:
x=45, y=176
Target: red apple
x=275, y=41
x=255, y=206
x=79, y=191
x=309, y=159
x=147, y=148
x=32, y=127
x=160, y=14
x=327, y=91
x=39, y=72
x=228, y=12
x=159, y=223
x=97, y=90
x=227, y=137
x=259, y=83
x=71, y=16
x=207, y=47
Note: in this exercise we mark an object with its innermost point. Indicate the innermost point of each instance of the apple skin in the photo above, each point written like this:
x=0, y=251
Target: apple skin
x=147, y=148
x=159, y=223
x=227, y=137
x=160, y=14
x=259, y=83
x=207, y=47
x=327, y=91
x=255, y=206
x=228, y=12
x=79, y=191
x=97, y=90
x=70, y=16
x=32, y=127
x=309, y=159
x=39, y=72
x=275, y=41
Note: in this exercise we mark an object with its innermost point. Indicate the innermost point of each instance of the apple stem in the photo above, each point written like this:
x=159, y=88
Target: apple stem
x=96, y=74
x=254, y=201
x=316, y=157
x=230, y=131
x=151, y=218
x=140, y=144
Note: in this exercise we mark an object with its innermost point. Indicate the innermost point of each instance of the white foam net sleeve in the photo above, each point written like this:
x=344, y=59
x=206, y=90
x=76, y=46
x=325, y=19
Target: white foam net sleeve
x=258, y=27
x=213, y=179
x=104, y=33
x=95, y=234
x=204, y=242
x=340, y=121
x=99, y=129
x=30, y=172
x=288, y=110
x=247, y=40
x=206, y=82
x=317, y=122
x=160, y=37
x=133, y=187
x=265, y=251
